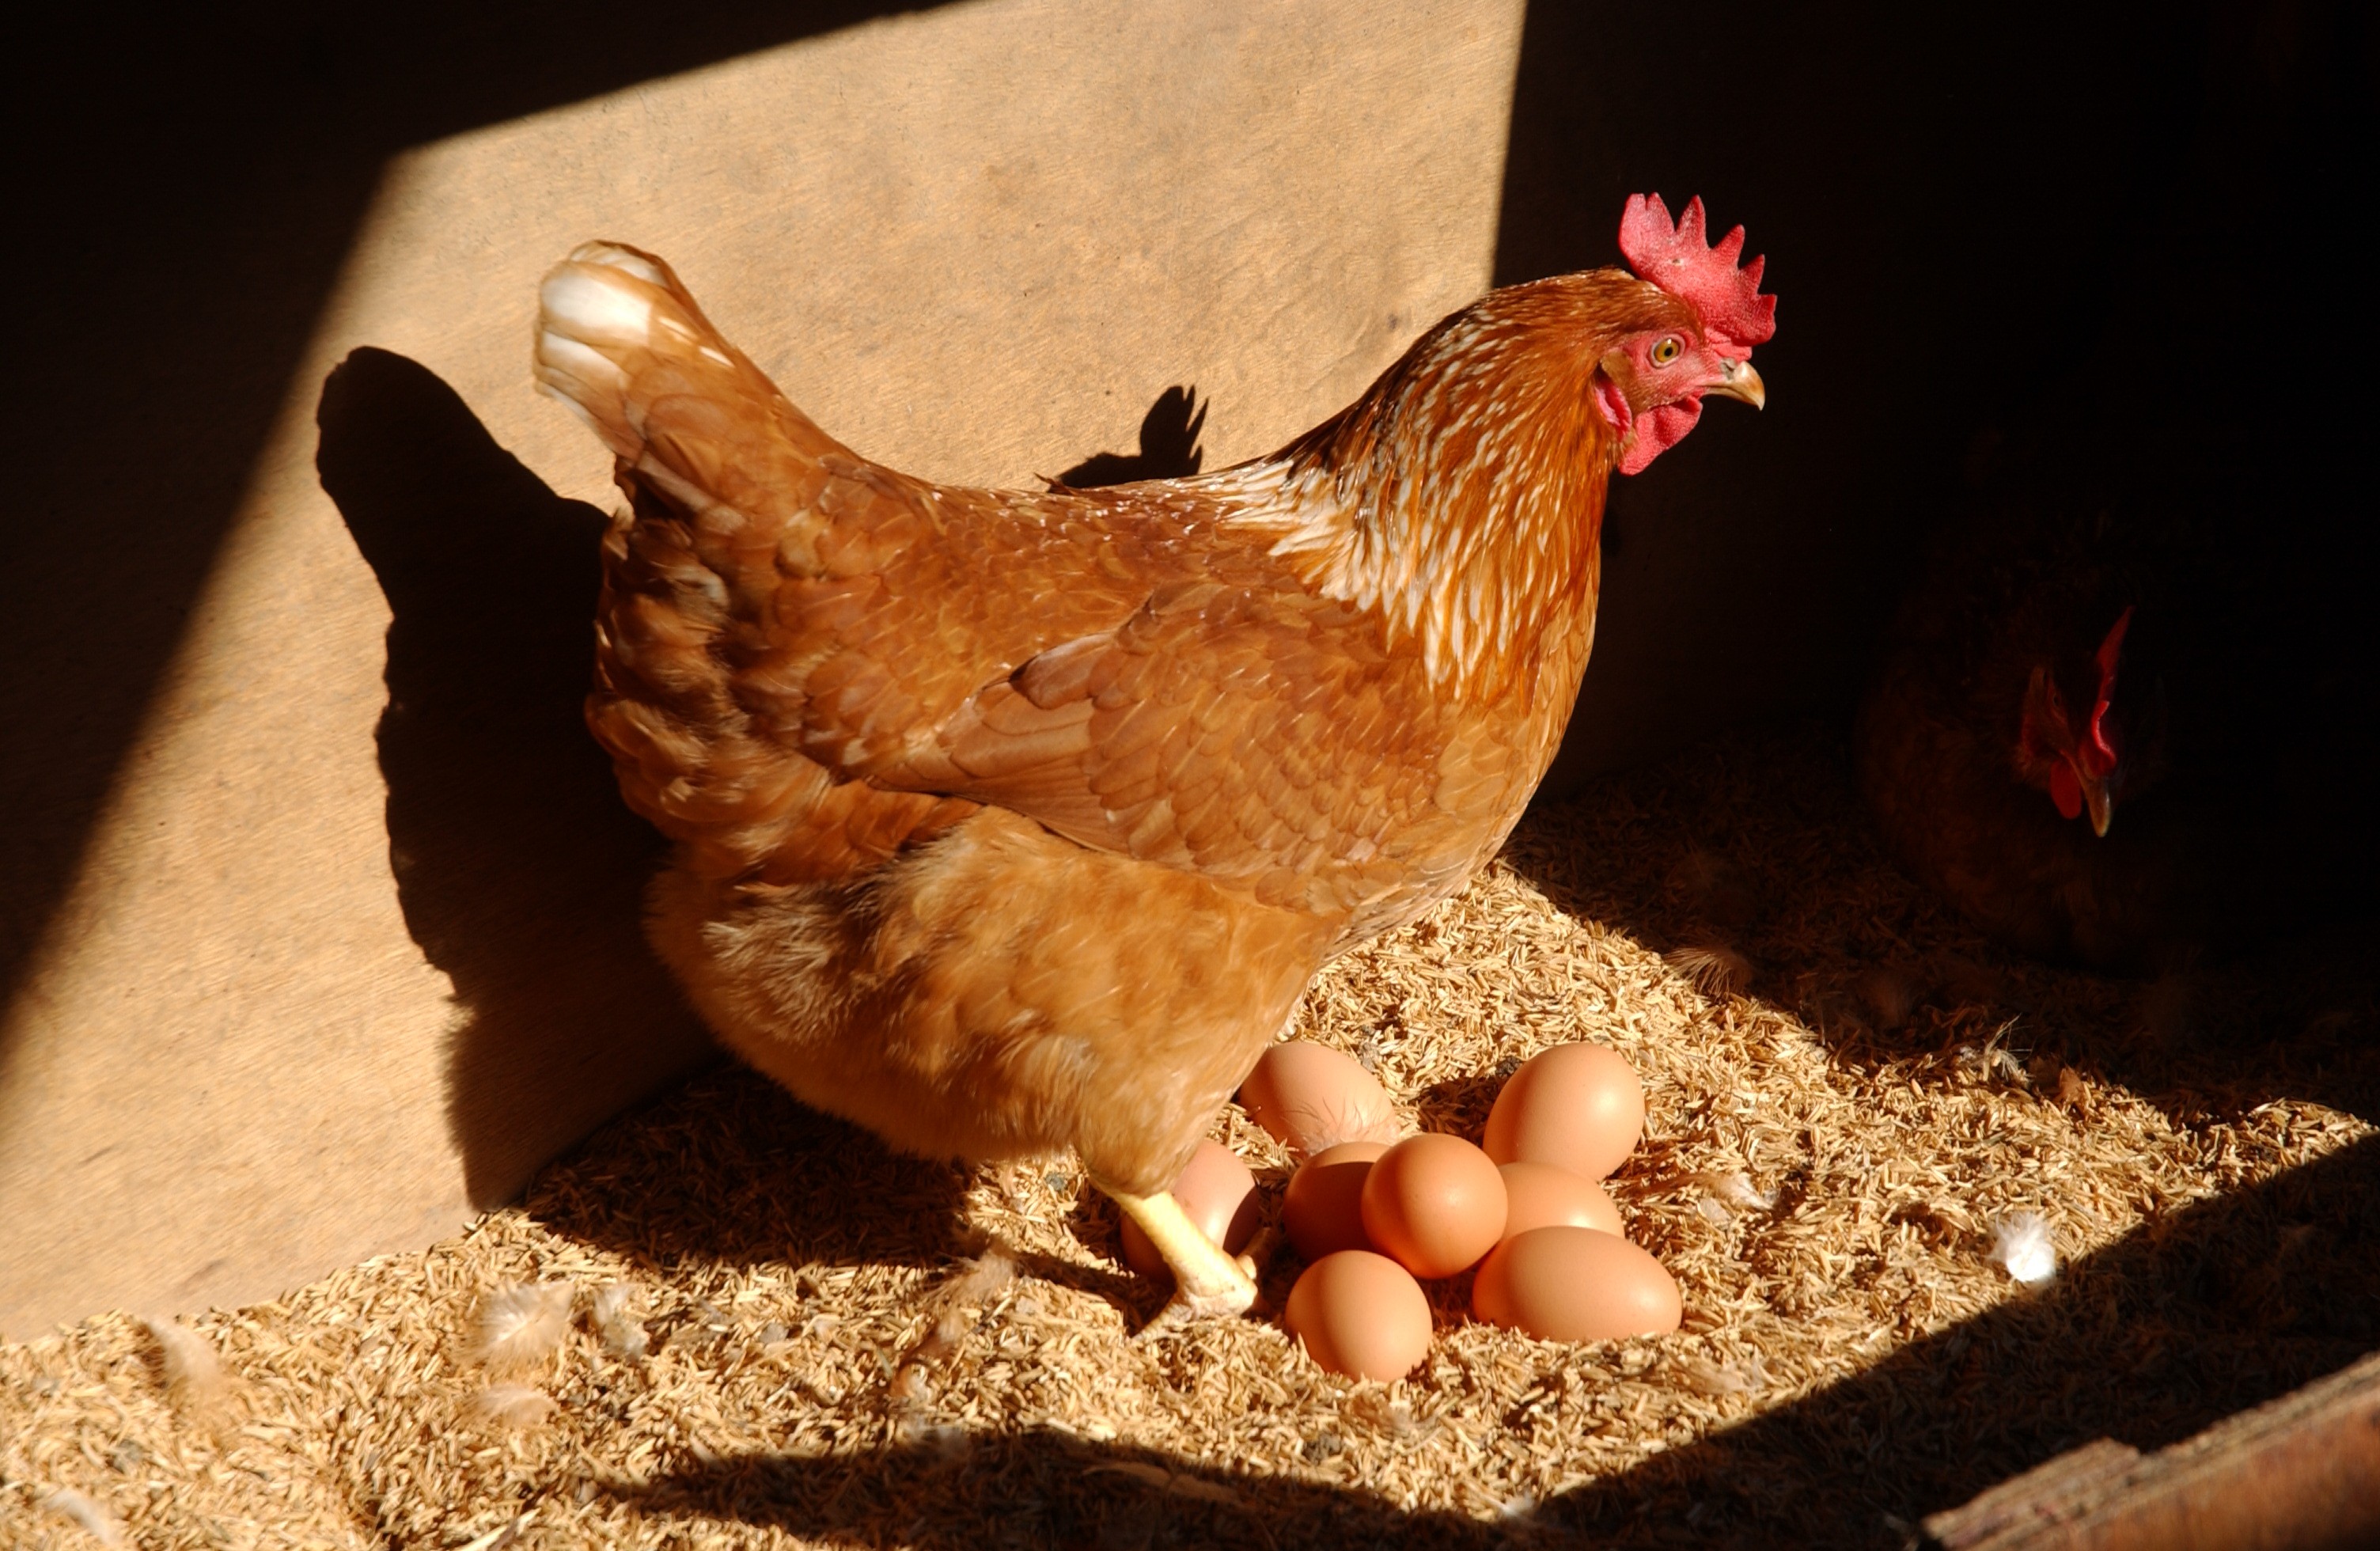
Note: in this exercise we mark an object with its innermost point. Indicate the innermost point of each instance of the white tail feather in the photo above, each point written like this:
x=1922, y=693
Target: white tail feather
x=586, y=300
x=592, y=308
x=613, y=255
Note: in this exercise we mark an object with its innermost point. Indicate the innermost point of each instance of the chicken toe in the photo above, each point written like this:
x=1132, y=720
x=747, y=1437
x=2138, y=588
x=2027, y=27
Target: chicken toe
x=1206, y=1282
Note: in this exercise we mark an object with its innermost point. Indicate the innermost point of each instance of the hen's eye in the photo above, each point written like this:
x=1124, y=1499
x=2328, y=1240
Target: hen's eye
x=1667, y=349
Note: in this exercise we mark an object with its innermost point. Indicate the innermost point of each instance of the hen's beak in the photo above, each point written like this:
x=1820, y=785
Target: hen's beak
x=1740, y=381
x=2099, y=801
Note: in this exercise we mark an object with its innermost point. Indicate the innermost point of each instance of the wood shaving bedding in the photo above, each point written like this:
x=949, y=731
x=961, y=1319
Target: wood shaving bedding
x=728, y=1321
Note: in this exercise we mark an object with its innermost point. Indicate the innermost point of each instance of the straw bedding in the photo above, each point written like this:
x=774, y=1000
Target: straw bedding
x=750, y=1325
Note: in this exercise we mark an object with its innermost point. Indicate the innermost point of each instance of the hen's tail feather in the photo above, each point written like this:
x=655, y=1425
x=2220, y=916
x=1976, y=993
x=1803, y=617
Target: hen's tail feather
x=595, y=311
x=622, y=344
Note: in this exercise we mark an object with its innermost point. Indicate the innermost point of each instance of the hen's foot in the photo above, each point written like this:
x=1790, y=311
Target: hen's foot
x=1207, y=1284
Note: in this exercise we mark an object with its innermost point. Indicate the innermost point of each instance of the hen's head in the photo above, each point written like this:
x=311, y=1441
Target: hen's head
x=1463, y=494
x=2073, y=738
x=1649, y=384
x=1531, y=372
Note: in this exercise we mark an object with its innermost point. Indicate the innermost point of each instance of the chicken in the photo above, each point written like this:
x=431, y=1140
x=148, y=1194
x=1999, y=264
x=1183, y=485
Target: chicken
x=1009, y=822
x=2125, y=719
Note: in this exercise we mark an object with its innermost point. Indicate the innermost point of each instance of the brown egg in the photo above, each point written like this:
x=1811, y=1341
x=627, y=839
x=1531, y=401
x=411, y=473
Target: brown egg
x=1435, y=1203
x=1312, y=1097
x=1575, y=1284
x=1218, y=1192
x=1540, y=1195
x=1323, y=1211
x=1576, y=1107
x=1361, y=1315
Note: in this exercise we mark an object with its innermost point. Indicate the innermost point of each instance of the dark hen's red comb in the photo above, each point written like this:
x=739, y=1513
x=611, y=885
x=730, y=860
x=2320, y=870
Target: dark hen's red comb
x=2099, y=751
x=1679, y=261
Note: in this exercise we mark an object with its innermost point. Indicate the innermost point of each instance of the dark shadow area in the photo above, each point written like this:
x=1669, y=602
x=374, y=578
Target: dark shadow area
x=2245, y=701
x=754, y=1176
x=1040, y=1488
x=1948, y=200
x=191, y=181
x=1460, y=1105
x=1169, y=446
x=2214, y=1308
x=520, y=872
x=1972, y=236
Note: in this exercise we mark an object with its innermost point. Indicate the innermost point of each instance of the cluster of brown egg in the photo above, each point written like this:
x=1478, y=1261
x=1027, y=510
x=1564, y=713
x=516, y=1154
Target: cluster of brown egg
x=1374, y=1216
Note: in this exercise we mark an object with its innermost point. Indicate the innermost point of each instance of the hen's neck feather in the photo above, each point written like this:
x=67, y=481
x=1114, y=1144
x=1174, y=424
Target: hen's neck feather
x=1462, y=496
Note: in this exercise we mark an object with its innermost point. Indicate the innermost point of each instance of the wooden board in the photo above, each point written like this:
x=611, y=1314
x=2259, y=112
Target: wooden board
x=2298, y=1473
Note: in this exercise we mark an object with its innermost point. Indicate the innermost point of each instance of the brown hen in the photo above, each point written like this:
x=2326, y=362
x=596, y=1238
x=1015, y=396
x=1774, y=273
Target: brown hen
x=1009, y=822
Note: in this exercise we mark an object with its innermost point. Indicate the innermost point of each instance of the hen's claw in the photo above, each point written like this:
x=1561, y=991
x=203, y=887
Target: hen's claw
x=1207, y=1284
x=1185, y=1308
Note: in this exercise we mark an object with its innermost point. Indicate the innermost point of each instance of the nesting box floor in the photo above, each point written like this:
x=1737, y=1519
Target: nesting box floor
x=849, y=1348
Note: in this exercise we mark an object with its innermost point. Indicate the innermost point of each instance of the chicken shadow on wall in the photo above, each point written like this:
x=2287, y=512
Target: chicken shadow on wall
x=1169, y=446
x=520, y=872
x=212, y=199
x=2220, y=1306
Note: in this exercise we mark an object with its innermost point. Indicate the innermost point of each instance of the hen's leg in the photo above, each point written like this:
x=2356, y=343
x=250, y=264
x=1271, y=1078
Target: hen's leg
x=1206, y=1281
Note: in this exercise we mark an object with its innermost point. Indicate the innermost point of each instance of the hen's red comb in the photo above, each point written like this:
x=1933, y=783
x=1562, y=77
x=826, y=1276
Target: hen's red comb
x=2100, y=751
x=1679, y=259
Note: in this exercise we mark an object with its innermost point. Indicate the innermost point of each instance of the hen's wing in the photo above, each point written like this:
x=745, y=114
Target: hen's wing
x=781, y=615
x=1257, y=734
x=807, y=660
